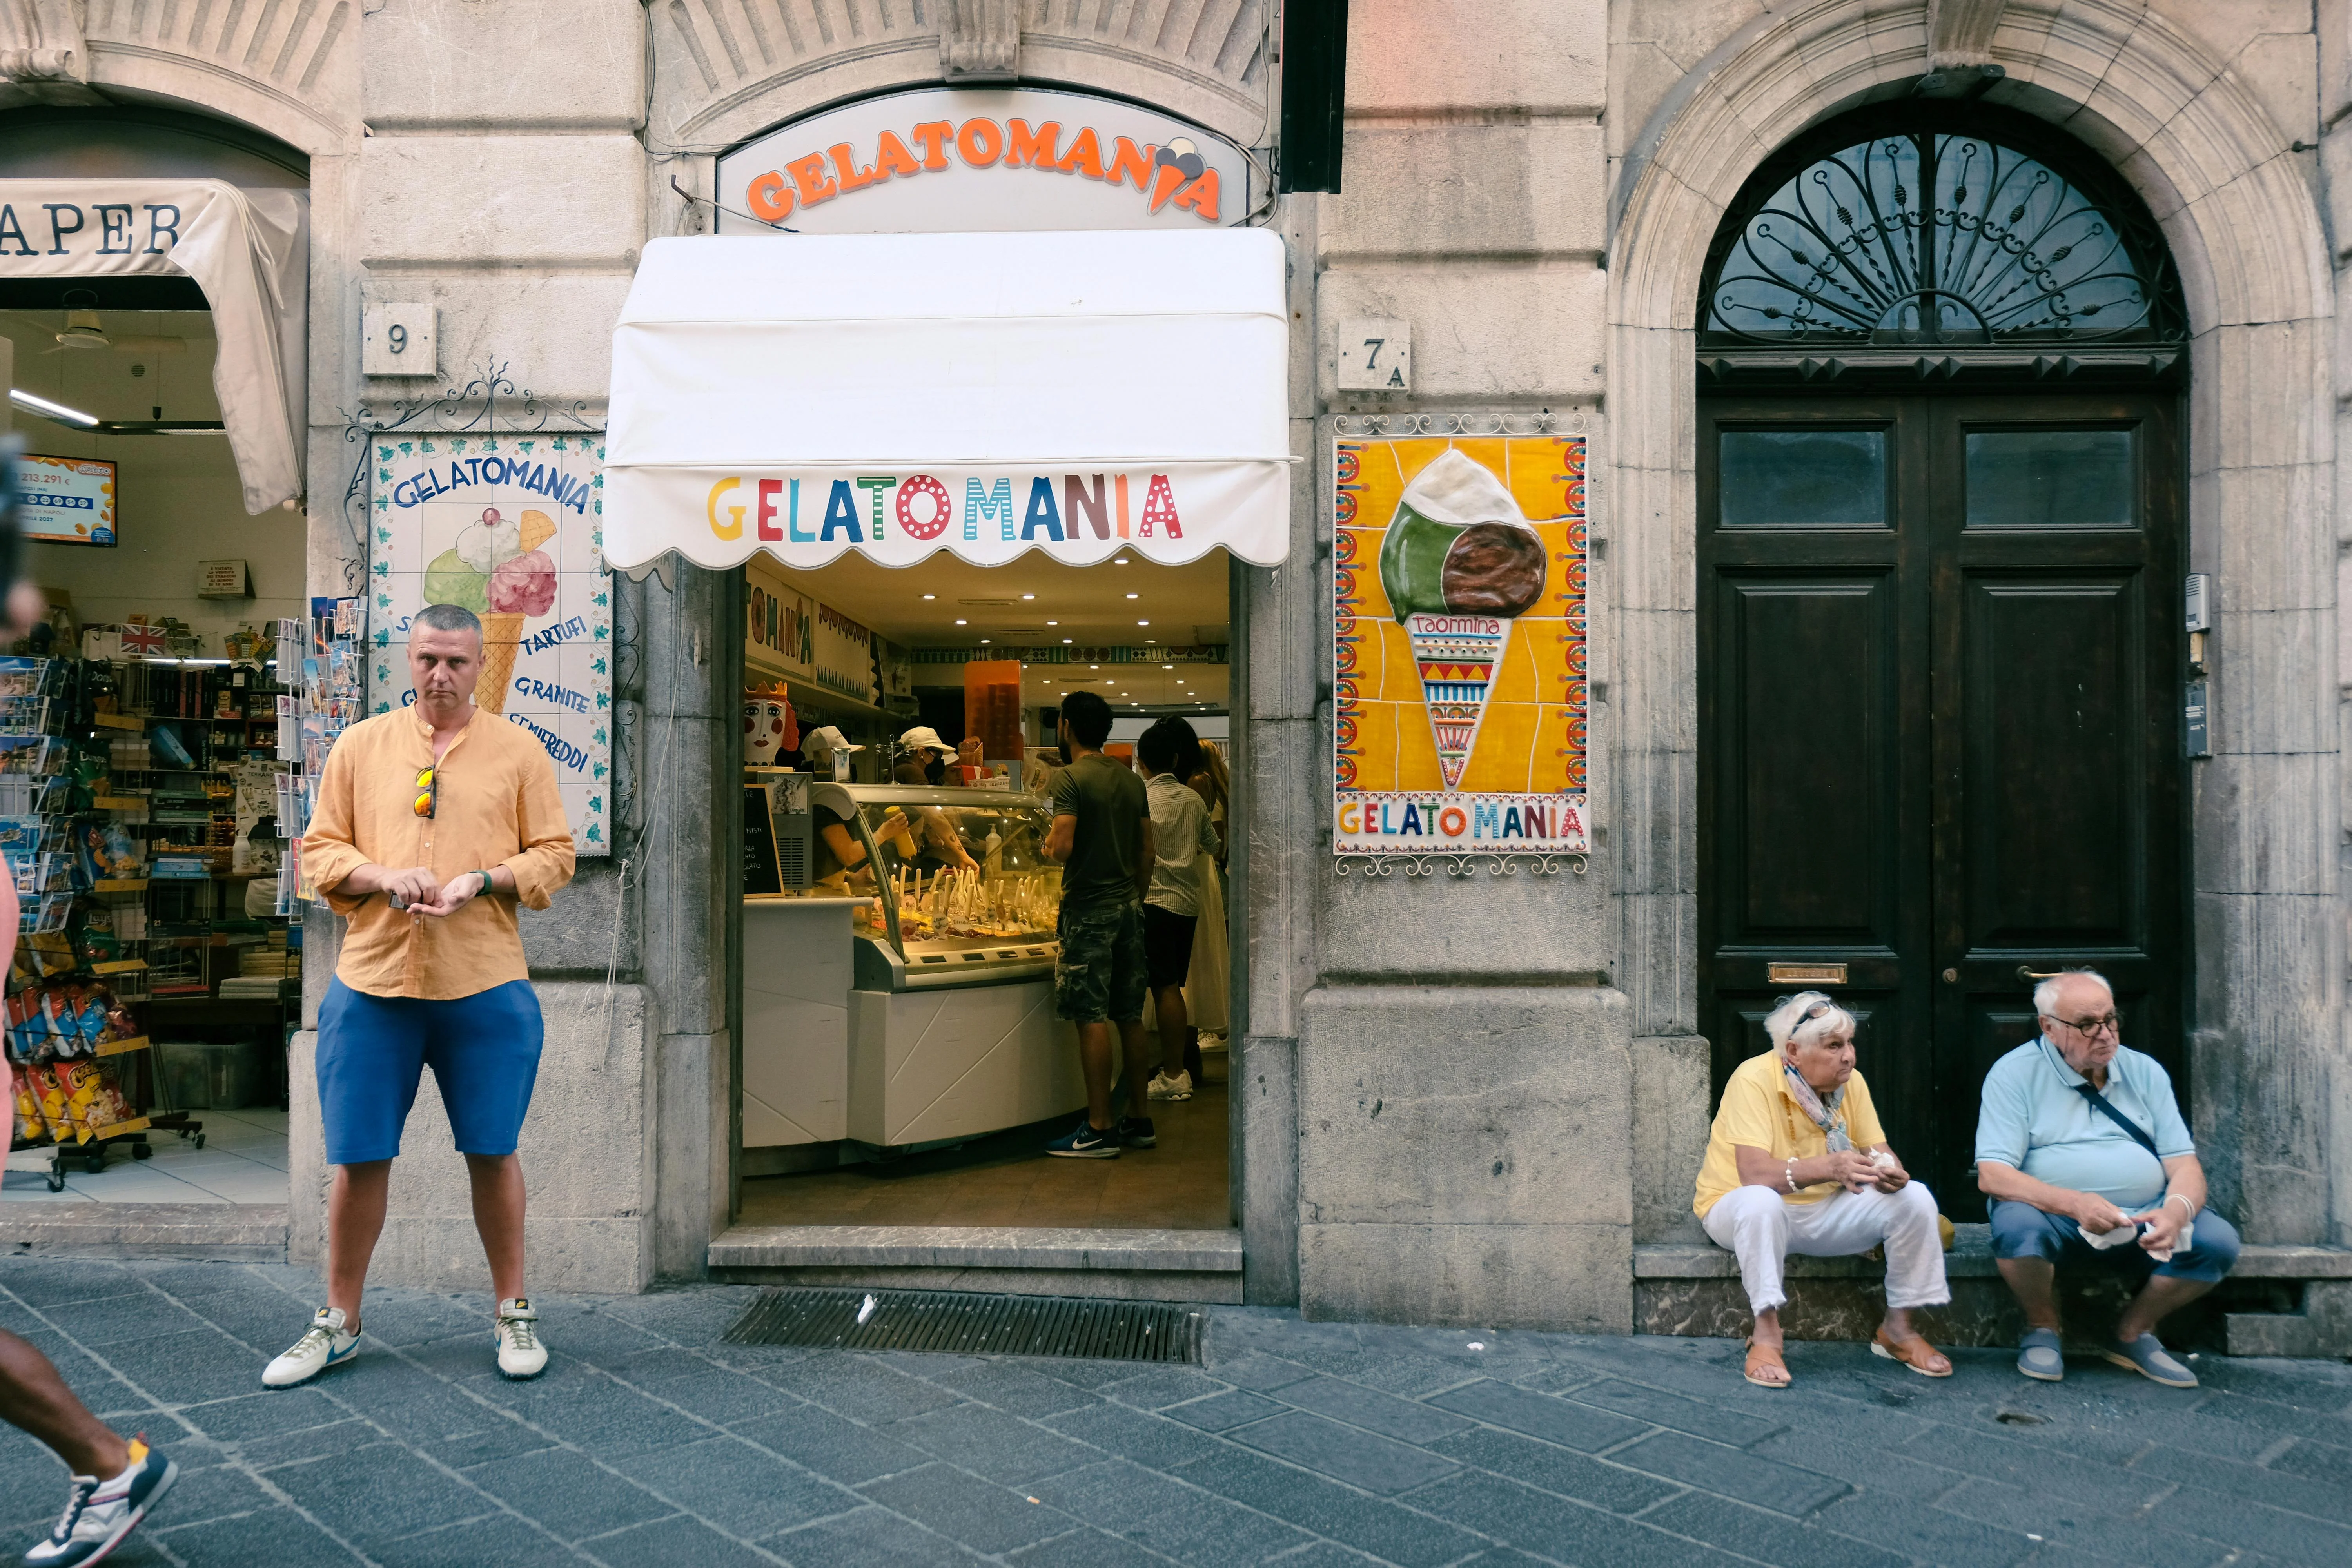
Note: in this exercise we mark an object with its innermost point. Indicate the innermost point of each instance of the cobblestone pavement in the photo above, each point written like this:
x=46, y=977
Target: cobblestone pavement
x=1308, y=1444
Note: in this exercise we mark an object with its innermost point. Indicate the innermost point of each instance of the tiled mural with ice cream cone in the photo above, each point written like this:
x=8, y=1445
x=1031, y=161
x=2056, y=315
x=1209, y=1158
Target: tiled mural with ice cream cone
x=510, y=526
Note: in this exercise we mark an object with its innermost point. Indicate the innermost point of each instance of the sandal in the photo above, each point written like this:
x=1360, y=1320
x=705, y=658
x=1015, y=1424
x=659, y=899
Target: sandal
x=1762, y=1356
x=1914, y=1353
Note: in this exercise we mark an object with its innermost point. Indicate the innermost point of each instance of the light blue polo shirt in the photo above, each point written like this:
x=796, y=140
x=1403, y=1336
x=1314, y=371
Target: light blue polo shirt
x=2033, y=1118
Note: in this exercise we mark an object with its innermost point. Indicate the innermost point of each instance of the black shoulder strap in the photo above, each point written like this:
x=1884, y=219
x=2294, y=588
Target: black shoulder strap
x=2139, y=1135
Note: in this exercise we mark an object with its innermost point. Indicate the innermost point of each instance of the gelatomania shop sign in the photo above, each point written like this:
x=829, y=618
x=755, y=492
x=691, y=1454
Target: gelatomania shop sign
x=948, y=159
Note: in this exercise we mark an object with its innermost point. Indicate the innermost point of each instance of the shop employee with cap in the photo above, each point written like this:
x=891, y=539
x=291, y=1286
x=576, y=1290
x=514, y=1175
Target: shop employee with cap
x=839, y=855
x=434, y=823
x=924, y=765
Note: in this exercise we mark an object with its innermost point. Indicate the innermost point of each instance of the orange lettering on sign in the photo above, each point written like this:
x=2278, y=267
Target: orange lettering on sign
x=1201, y=196
x=891, y=157
x=982, y=142
x=770, y=197
x=1131, y=163
x=932, y=136
x=808, y=179
x=845, y=164
x=1084, y=157
x=1031, y=149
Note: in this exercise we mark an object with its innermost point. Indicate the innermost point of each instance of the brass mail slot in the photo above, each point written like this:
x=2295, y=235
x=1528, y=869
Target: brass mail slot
x=1813, y=974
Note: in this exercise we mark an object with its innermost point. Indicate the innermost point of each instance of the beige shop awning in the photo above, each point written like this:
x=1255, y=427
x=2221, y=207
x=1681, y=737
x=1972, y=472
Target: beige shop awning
x=247, y=249
x=896, y=395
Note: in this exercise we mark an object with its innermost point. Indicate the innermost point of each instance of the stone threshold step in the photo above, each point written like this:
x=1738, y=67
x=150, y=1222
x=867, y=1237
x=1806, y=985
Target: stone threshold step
x=223, y=1232
x=976, y=1246
x=1969, y=1259
x=1125, y=1265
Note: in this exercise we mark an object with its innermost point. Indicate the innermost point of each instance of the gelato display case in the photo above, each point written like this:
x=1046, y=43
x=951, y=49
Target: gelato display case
x=904, y=996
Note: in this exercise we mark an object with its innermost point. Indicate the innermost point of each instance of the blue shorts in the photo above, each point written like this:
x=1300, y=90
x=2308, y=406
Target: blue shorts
x=2020, y=1230
x=372, y=1050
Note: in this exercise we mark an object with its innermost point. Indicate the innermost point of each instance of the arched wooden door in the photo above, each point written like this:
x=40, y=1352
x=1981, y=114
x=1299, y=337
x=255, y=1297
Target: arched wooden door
x=1940, y=647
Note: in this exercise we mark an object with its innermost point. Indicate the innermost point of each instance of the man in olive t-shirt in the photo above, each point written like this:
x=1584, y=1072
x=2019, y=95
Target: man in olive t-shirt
x=1101, y=834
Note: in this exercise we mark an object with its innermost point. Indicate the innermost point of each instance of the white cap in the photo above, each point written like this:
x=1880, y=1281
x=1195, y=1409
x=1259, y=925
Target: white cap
x=923, y=738
x=824, y=740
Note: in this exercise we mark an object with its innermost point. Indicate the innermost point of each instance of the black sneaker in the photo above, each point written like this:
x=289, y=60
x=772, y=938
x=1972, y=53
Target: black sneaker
x=1135, y=1132
x=1083, y=1142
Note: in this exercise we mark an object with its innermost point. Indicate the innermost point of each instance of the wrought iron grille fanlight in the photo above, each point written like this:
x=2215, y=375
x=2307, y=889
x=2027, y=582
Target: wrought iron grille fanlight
x=1932, y=238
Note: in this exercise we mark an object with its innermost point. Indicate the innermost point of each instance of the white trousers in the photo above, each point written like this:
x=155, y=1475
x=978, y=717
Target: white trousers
x=1762, y=1229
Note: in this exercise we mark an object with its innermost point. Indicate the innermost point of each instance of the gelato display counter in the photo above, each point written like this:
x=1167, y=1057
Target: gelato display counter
x=904, y=996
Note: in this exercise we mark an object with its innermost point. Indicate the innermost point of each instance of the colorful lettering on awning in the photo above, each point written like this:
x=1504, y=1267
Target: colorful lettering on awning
x=1058, y=509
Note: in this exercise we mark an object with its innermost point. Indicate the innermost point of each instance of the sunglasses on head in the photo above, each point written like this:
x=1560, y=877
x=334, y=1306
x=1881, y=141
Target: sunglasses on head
x=428, y=786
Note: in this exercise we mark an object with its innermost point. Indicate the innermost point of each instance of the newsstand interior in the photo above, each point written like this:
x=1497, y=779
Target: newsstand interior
x=936, y=1130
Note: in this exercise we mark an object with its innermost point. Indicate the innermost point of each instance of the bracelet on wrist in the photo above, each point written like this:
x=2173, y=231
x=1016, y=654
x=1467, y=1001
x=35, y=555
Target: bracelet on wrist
x=1789, y=1175
x=2188, y=1207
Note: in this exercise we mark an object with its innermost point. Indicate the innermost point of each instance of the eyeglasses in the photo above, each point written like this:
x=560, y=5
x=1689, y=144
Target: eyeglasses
x=428, y=782
x=2108, y=1023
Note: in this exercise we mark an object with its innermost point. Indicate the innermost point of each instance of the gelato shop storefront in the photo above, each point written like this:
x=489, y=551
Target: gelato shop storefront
x=955, y=481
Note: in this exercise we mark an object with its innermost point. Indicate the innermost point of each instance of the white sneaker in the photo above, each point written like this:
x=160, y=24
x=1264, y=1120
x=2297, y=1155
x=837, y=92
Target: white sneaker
x=520, y=1355
x=323, y=1345
x=98, y=1514
x=1162, y=1087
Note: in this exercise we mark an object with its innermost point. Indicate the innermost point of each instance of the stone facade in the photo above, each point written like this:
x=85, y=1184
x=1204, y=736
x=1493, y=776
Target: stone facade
x=1422, y=1131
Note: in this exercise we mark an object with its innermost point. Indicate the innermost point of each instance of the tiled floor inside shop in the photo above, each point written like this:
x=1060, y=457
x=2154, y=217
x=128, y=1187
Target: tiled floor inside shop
x=243, y=1161
x=1008, y=1180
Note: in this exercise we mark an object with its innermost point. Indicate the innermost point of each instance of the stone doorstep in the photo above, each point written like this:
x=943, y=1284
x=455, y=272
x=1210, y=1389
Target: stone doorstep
x=976, y=1246
x=1126, y=1264
x=225, y=1233
x=1681, y=1288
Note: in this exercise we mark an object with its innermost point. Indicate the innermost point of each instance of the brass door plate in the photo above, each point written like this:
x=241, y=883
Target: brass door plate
x=1812, y=974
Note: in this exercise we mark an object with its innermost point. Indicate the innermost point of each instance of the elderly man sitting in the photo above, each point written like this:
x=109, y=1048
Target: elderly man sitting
x=2081, y=1148
x=1796, y=1162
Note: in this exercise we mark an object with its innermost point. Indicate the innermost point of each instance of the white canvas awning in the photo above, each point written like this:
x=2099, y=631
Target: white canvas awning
x=247, y=249
x=987, y=393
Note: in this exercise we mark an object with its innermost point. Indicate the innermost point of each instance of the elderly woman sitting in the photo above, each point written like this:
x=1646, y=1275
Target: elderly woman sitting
x=1796, y=1162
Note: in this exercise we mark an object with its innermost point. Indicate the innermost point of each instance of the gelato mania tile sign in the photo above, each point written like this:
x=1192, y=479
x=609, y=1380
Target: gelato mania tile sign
x=1458, y=628
x=511, y=527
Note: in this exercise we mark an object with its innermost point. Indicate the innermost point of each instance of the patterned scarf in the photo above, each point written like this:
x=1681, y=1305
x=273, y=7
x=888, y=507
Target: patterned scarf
x=1823, y=1113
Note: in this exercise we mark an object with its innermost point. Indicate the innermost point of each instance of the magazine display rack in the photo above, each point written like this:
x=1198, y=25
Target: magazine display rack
x=120, y=823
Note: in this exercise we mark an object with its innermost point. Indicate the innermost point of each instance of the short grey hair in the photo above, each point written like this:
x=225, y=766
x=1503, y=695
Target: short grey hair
x=449, y=618
x=1787, y=1023
x=2045, y=995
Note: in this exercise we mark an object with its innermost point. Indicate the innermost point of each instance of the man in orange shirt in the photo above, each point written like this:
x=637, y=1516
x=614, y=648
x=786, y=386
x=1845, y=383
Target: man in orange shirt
x=433, y=824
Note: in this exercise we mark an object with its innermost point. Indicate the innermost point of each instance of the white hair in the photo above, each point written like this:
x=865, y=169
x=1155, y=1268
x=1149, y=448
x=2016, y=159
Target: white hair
x=2045, y=995
x=1788, y=1025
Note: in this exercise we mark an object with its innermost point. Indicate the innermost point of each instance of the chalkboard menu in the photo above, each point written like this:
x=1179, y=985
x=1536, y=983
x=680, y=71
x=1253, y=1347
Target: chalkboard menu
x=761, y=873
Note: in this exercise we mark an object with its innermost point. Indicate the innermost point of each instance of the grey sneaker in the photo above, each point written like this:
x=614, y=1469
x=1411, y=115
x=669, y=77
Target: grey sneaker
x=2037, y=1356
x=2146, y=1356
x=520, y=1355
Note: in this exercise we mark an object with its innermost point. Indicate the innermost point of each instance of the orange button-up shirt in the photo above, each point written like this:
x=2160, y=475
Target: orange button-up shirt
x=498, y=805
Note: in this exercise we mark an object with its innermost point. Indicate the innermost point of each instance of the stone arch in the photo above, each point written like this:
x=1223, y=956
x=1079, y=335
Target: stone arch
x=2221, y=181
x=292, y=71
x=728, y=71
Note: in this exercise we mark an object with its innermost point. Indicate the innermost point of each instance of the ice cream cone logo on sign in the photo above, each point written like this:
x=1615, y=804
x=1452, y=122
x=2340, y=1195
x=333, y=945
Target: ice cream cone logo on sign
x=1460, y=564
x=497, y=569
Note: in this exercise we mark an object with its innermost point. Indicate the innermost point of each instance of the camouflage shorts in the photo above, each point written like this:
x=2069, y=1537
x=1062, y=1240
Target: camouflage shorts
x=1099, y=976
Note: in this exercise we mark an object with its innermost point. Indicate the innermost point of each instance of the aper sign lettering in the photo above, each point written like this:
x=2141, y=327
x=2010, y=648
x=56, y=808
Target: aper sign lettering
x=956, y=160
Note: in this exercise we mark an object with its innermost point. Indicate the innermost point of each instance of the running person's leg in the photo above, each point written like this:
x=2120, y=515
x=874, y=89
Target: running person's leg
x=115, y=1482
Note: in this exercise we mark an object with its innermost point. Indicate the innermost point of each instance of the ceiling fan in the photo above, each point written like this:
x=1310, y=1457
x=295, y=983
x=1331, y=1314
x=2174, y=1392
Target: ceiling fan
x=85, y=332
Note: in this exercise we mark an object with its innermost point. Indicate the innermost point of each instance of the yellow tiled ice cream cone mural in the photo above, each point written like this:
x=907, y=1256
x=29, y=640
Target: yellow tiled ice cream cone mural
x=1459, y=631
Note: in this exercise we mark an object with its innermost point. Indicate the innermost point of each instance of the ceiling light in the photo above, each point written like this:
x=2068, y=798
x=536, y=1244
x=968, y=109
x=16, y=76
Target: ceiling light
x=986, y=639
x=930, y=595
x=1120, y=561
x=1171, y=667
x=1094, y=667
x=1069, y=640
x=1143, y=623
x=1052, y=622
x=1028, y=595
x=963, y=623
x=1135, y=595
x=48, y=410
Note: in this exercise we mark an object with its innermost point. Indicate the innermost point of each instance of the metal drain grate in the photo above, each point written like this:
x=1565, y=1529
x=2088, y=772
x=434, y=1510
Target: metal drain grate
x=954, y=1322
